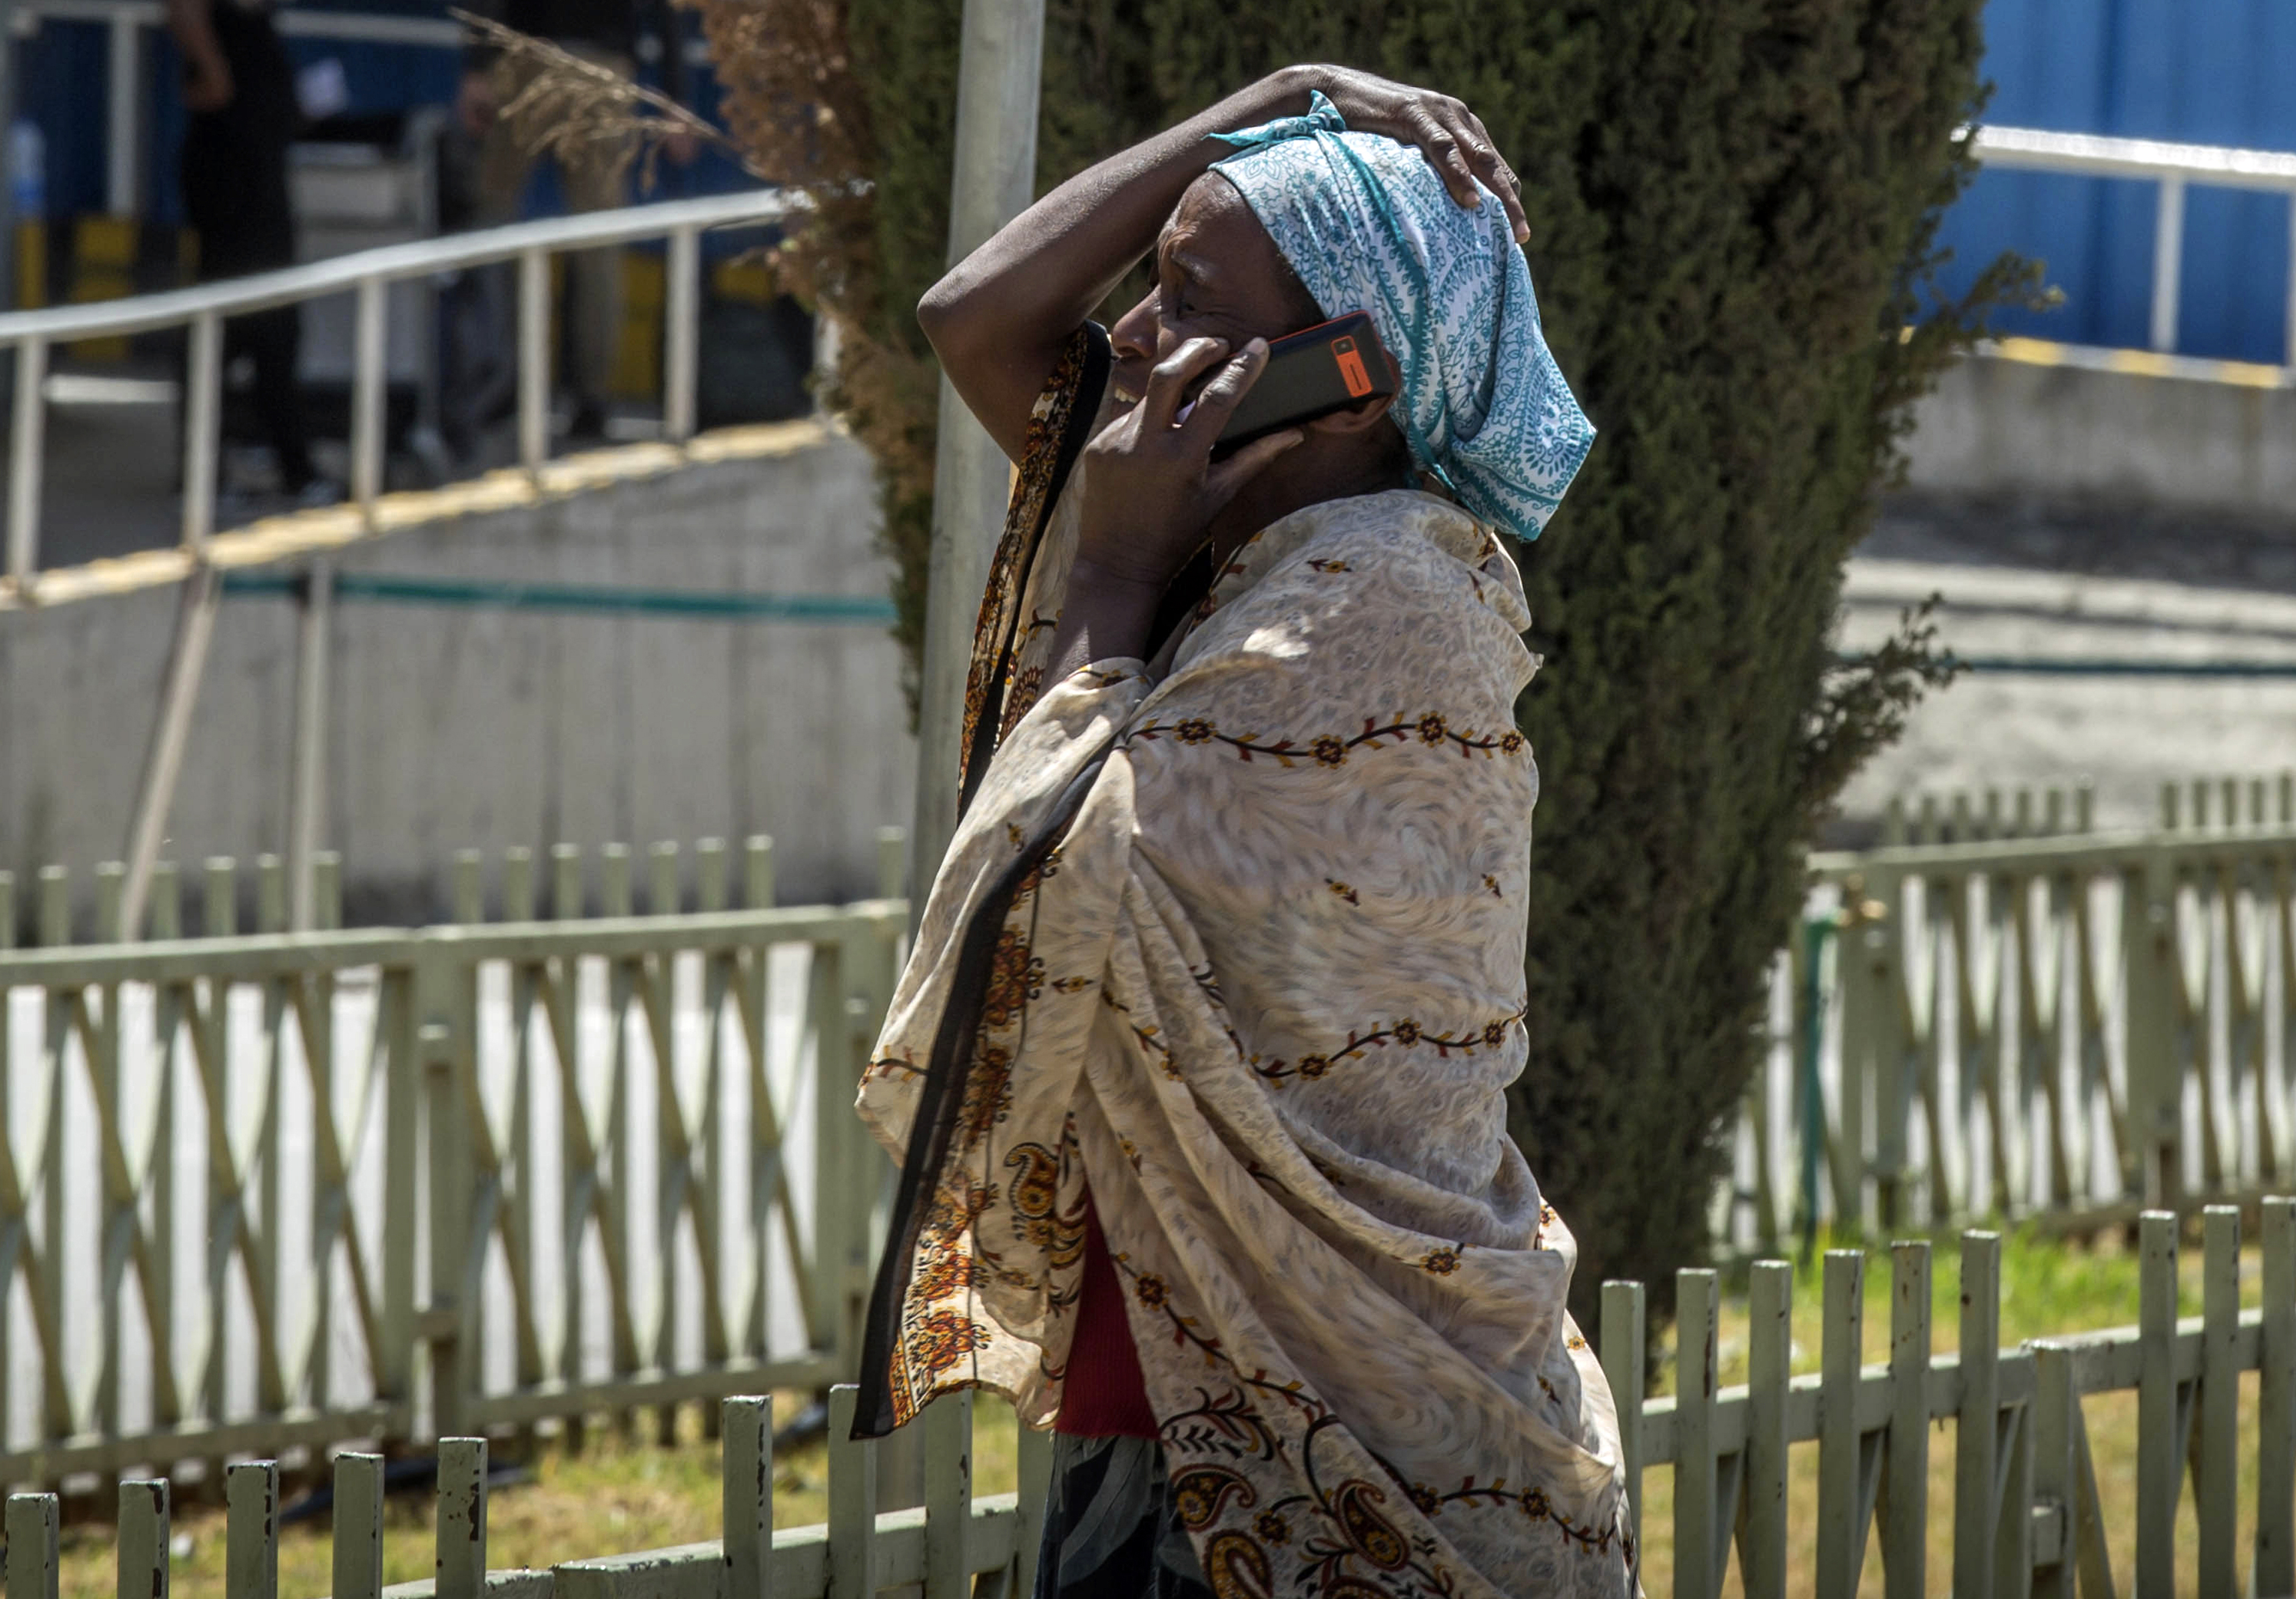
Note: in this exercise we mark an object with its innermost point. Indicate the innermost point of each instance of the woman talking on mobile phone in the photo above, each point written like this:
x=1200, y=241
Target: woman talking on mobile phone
x=1197, y=1070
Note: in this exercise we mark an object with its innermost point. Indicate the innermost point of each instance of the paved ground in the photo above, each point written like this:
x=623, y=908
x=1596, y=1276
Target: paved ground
x=2123, y=586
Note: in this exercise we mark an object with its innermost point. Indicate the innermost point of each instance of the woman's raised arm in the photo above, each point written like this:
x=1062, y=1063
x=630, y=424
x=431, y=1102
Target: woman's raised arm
x=999, y=319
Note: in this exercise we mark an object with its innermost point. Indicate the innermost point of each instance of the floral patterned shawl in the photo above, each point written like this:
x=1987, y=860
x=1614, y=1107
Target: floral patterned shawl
x=1239, y=943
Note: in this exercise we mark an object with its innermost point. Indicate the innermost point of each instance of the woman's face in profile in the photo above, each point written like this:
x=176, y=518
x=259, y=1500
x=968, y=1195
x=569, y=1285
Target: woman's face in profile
x=1219, y=275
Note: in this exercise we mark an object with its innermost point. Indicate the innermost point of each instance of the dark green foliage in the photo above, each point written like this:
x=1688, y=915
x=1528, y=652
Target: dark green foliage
x=1732, y=202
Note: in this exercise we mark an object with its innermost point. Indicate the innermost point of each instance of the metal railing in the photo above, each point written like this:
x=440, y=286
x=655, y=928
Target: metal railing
x=2173, y=168
x=2032, y=1515
x=254, y=1184
x=2024, y=1022
x=33, y=334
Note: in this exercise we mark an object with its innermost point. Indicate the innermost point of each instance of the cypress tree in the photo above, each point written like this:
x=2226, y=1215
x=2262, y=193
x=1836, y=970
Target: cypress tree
x=1732, y=204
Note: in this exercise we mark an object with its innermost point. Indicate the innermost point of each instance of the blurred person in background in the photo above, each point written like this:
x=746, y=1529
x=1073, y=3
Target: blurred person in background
x=239, y=87
x=605, y=33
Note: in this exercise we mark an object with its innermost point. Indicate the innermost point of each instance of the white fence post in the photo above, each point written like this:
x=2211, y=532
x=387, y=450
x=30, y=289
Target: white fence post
x=32, y=1562
x=2275, y=1426
x=1626, y=1356
x=144, y=1540
x=1906, y=1469
x=251, y=1529
x=1769, y=1347
x=1977, y=1438
x=358, y=1527
x=1701, y=1515
x=852, y=1500
x=2216, y=1453
x=2160, y=1407
x=748, y=1455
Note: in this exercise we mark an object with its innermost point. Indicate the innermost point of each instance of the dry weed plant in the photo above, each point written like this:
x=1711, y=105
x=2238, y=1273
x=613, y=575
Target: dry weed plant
x=795, y=116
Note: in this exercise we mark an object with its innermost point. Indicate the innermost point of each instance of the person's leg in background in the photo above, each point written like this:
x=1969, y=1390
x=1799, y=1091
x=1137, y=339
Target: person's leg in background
x=236, y=199
x=593, y=318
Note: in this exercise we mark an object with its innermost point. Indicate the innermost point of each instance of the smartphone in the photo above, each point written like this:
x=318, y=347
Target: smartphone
x=1311, y=373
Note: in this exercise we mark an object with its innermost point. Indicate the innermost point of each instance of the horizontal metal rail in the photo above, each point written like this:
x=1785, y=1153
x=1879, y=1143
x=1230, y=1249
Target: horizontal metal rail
x=387, y=589
x=2174, y=168
x=33, y=335
x=390, y=263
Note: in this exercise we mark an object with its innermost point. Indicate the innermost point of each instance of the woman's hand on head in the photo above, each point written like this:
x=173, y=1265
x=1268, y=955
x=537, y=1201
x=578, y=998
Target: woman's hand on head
x=1452, y=137
x=1151, y=487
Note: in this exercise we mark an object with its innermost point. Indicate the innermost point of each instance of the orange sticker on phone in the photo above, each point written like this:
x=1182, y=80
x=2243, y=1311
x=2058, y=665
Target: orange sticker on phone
x=1352, y=370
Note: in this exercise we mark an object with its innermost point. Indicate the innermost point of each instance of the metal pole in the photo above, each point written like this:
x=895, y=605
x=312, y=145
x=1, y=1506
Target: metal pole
x=681, y=359
x=367, y=375
x=203, y=428
x=124, y=95
x=2289, y=332
x=997, y=77
x=998, y=70
x=307, y=792
x=25, y=461
x=2167, y=261
x=194, y=629
x=533, y=358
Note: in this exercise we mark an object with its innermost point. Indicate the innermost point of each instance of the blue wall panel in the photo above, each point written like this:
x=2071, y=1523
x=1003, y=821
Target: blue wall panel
x=2200, y=71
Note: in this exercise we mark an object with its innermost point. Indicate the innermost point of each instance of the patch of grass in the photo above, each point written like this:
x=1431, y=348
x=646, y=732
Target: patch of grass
x=619, y=1493
x=2048, y=1288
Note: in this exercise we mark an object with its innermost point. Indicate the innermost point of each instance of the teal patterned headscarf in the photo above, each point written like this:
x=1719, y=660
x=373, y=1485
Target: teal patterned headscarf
x=1368, y=225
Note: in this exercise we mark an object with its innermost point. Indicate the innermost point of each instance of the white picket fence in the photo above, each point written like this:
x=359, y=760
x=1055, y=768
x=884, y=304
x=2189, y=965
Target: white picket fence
x=2028, y=1512
x=2014, y=1021
x=269, y=1191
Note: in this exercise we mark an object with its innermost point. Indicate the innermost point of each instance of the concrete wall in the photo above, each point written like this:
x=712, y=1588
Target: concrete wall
x=459, y=727
x=2118, y=427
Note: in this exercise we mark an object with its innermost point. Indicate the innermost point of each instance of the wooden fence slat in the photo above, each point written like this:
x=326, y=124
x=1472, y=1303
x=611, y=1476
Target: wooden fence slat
x=2013, y=1500
x=358, y=1527
x=1626, y=1356
x=1769, y=1333
x=467, y=889
x=32, y=1553
x=55, y=906
x=1035, y=1484
x=839, y=1235
x=1698, y=1526
x=1906, y=1477
x=462, y=1524
x=747, y=1489
x=143, y=1540
x=2159, y=1448
x=758, y=872
x=948, y=1423
x=566, y=881
x=2216, y=1483
x=852, y=1500
x=710, y=875
x=1976, y=1434
x=518, y=883
x=2276, y=1460
x=2056, y=1482
x=1842, y=1469
x=250, y=1560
